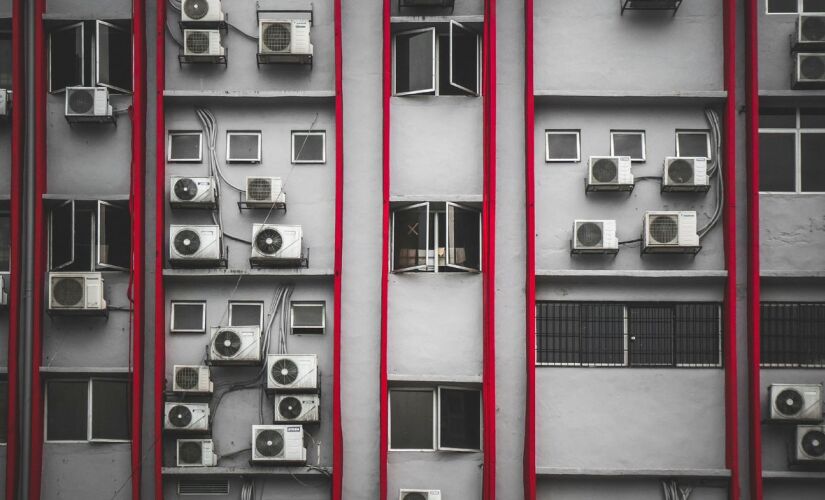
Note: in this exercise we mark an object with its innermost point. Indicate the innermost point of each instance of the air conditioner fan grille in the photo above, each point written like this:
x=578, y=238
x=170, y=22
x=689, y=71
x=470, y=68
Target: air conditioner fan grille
x=813, y=442
x=680, y=171
x=789, y=402
x=664, y=229
x=186, y=189
x=227, y=343
x=259, y=189
x=187, y=378
x=277, y=37
x=196, y=9
x=812, y=67
x=290, y=408
x=284, y=372
x=197, y=42
x=190, y=452
x=187, y=242
x=269, y=241
x=82, y=101
x=605, y=170
x=269, y=443
x=589, y=234
x=180, y=416
x=68, y=291
x=414, y=496
x=813, y=28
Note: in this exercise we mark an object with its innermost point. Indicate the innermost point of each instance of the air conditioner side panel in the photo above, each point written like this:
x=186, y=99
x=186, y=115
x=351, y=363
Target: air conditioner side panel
x=687, y=229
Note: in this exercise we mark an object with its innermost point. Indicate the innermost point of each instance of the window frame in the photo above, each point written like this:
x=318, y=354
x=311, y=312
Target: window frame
x=174, y=303
x=230, y=304
x=640, y=133
x=686, y=131
x=549, y=132
x=434, y=409
x=322, y=133
x=90, y=409
x=477, y=92
x=447, y=243
x=231, y=133
x=800, y=4
x=434, y=79
x=88, y=380
x=72, y=241
x=82, y=25
x=98, y=82
x=781, y=365
x=439, y=388
x=421, y=267
x=798, y=131
x=308, y=303
x=99, y=222
x=4, y=406
x=175, y=133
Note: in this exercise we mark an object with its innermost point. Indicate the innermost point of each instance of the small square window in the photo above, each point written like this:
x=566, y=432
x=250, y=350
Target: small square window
x=246, y=314
x=188, y=317
x=562, y=145
x=813, y=6
x=412, y=423
x=693, y=143
x=185, y=147
x=5, y=60
x=782, y=6
x=628, y=143
x=308, y=317
x=777, y=161
x=243, y=147
x=309, y=147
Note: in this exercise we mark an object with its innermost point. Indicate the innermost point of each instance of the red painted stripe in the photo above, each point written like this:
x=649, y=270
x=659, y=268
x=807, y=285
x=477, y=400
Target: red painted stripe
x=729, y=215
x=530, y=270
x=337, y=432
x=385, y=253
x=754, y=290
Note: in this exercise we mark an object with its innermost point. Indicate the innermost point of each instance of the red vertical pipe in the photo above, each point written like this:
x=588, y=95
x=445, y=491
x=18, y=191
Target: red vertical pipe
x=731, y=396
x=754, y=290
x=385, y=252
x=530, y=270
x=137, y=202
x=337, y=433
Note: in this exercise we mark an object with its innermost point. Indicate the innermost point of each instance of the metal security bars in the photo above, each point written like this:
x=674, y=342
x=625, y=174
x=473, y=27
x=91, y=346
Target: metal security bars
x=793, y=334
x=603, y=334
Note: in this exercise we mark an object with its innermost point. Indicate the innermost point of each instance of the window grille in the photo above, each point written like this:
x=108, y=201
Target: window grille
x=792, y=334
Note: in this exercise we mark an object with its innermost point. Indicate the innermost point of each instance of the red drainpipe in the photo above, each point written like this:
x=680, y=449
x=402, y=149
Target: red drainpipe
x=385, y=252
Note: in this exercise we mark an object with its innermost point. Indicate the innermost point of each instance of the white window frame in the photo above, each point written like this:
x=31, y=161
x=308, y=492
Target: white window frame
x=98, y=24
x=422, y=267
x=52, y=266
x=798, y=131
x=82, y=83
x=232, y=133
x=323, y=135
x=90, y=409
x=308, y=303
x=480, y=417
x=640, y=133
x=89, y=413
x=475, y=93
x=706, y=133
x=175, y=303
x=176, y=133
x=434, y=85
x=232, y=303
x=549, y=132
x=799, y=10
x=434, y=409
x=99, y=222
x=448, y=243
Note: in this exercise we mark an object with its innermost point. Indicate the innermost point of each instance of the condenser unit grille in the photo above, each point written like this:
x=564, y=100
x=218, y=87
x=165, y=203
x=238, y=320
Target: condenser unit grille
x=269, y=443
x=290, y=408
x=284, y=371
x=269, y=241
x=277, y=37
x=605, y=170
x=812, y=28
x=190, y=452
x=812, y=67
x=81, y=102
x=187, y=242
x=790, y=402
x=589, y=234
x=259, y=189
x=227, y=343
x=180, y=416
x=664, y=229
x=197, y=42
x=813, y=443
x=186, y=189
x=68, y=291
x=195, y=9
x=203, y=485
x=187, y=378
x=680, y=171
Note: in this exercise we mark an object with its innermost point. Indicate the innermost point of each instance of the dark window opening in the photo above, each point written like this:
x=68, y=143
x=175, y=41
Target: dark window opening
x=67, y=415
x=694, y=144
x=89, y=236
x=4, y=410
x=5, y=242
x=188, y=317
x=460, y=419
x=114, y=56
x=777, y=162
x=5, y=60
x=309, y=147
x=246, y=314
x=562, y=146
x=93, y=53
x=436, y=237
x=793, y=335
x=111, y=410
x=628, y=143
x=411, y=419
x=782, y=6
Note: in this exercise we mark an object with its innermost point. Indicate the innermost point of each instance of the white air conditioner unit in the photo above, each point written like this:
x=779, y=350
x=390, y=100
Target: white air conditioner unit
x=609, y=173
x=5, y=281
x=795, y=403
x=285, y=41
x=193, y=192
x=196, y=453
x=88, y=104
x=276, y=244
x=810, y=443
x=199, y=12
x=297, y=408
x=670, y=232
x=263, y=192
x=76, y=293
x=594, y=236
x=186, y=417
x=5, y=102
x=810, y=33
x=809, y=71
x=292, y=372
x=195, y=245
x=192, y=379
x=685, y=174
x=419, y=495
x=203, y=45
x=235, y=345
x=278, y=444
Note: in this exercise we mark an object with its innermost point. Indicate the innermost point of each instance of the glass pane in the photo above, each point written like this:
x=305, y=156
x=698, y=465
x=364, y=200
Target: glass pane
x=628, y=144
x=66, y=58
x=602, y=334
x=244, y=147
x=307, y=315
x=110, y=409
x=246, y=314
x=410, y=238
x=114, y=247
x=563, y=146
x=114, y=63
x=777, y=117
x=5, y=242
x=693, y=144
x=414, y=62
x=650, y=335
x=463, y=58
x=464, y=237
x=188, y=317
x=185, y=147
x=61, y=235
x=460, y=419
x=308, y=147
x=779, y=6
x=812, y=118
x=5, y=61
x=697, y=334
x=4, y=406
x=813, y=5
x=558, y=328
x=444, y=85
x=813, y=161
x=67, y=410
x=411, y=420
x=84, y=238
x=777, y=162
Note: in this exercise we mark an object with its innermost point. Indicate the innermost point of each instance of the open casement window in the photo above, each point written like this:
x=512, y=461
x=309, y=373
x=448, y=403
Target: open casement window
x=459, y=419
x=5, y=241
x=109, y=415
x=61, y=236
x=412, y=419
x=4, y=406
x=414, y=68
x=80, y=410
x=113, y=236
x=410, y=237
x=113, y=57
x=67, y=57
x=463, y=237
x=5, y=60
x=464, y=58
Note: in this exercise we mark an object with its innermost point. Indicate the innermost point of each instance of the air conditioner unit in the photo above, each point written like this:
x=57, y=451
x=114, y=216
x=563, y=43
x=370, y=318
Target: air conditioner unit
x=810, y=33
x=594, y=236
x=193, y=192
x=4, y=294
x=278, y=444
x=609, y=173
x=297, y=408
x=809, y=71
x=235, y=345
x=203, y=45
x=199, y=12
x=419, y=495
x=685, y=174
x=195, y=245
x=795, y=403
x=76, y=293
x=670, y=232
x=292, y=372
x=194, y=379
x=196, y=453
x=810, y=443
x=88, y=104
x=284, y=41
x=263, y=192
x=276, y=244
x=5, y=102
x=186, y=417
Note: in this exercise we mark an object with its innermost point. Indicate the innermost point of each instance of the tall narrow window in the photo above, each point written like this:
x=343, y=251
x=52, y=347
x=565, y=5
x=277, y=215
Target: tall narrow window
x=415, y=62
x=61, y=236
x=113, y=236
x=109, y=410
x=410, y=237
x=463, y=237
x=650, y=335
x=5, y=60
x=459, y=414
x=464, y=58
x=412, y=421
x=67, y=416
x=67, y=57
x=114, y=57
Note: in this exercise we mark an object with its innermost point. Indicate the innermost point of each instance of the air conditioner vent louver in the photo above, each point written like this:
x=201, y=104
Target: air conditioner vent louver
x=203, y=486
x=277, y=36
x=259, y=189
x=664, y=229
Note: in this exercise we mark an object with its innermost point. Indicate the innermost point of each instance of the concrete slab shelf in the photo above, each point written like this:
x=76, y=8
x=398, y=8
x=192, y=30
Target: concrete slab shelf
x=572, y=472
x=781, y=274
x=85, y=369
x=693, y=97
x=709, y=274
x=258, y=272
x=281, y=96
x=791, y=96
x=792, y=475
x=455, y=198
x=59, y=197
x=434, y=379
x=247, y=471
x=437, y=19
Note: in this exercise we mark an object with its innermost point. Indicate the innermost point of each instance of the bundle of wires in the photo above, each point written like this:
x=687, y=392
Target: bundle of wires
x=675, y=492
x=714, y=169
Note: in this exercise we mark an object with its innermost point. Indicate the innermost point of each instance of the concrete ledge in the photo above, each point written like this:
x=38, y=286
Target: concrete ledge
x=455, y=198
x=632, y=96
x=632, y=274
x=439, y=379
x=791, y=96
x=246, y=471
x=789, y=475
x=59, y=197
x=279, y=95
x=85, y=369
x=780, y=274
x=437, y=19
x=633, y=473
x=251, y=273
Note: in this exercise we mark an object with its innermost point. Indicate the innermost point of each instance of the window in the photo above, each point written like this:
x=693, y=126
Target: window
x=246, y=314
x=5, y=60
x=438, y=60
x=794, y=6
x=441, y=418
x=5, y=242
x=94, y=409
x=628, y=143
x=309, y=146
x=793, y=335
x=88, y=236
x=185, y=146
x=243, y=147
x=791, y=148
x=562, y=145
x=307, y=317
x=188, y=317
x=665, y=334
x=4, y=411
x=95, y=53
x=436, y=237
x=693, y=143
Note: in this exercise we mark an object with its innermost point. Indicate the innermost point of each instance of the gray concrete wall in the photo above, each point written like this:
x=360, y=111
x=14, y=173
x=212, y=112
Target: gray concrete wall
x=620, y=489
x=775, y=62
x=792, y=243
